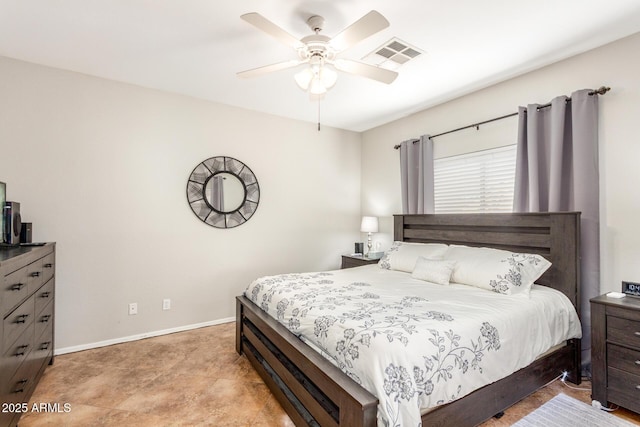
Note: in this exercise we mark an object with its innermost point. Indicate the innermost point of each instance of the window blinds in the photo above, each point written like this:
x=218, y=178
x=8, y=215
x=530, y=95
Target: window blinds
x=476, y=182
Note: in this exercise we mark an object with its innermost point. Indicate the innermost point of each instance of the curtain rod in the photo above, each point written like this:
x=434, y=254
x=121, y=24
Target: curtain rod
x=600, y=91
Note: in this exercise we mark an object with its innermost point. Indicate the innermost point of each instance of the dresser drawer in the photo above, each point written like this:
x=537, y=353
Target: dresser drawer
x=44, y=319
x=22, y=382
x=349, y=261
x=17, y=322
x=623, y=331
x=48, y=266
x=43, y=348
x=44, y=296
x=624, y=388
x=625, y=359
x=39, y=272
x=14, y=289
x=16, y=354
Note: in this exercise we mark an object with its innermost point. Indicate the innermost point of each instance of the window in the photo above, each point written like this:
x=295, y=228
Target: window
x=479, y=182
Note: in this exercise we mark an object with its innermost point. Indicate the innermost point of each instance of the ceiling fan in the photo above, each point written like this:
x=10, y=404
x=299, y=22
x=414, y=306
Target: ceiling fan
x=320, y=52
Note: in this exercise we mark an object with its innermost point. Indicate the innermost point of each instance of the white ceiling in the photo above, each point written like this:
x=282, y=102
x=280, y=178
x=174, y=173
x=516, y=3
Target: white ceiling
x=195, y=47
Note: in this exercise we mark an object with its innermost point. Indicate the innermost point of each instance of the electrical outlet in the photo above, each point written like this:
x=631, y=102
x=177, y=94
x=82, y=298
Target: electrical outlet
x=166, y=304
x=133, y=308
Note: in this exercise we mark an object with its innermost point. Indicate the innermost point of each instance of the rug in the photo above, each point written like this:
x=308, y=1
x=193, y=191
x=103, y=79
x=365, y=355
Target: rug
x=565, y=411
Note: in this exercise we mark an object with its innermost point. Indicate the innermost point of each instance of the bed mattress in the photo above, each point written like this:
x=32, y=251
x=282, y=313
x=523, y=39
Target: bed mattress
x=414, y=344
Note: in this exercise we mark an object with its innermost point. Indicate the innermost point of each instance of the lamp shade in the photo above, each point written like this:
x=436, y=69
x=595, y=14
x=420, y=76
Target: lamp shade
x=316, y=87
x=328, y=77
x=303, y=78
x=317, y=78
x=369, y=224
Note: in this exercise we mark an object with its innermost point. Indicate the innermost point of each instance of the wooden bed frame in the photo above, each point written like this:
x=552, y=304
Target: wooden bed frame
x=314, y=392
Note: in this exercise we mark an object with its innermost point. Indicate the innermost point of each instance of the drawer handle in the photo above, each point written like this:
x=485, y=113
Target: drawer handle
x=637, y=362
x=48, y=265
x=21, y=384
x=636, y=334
x=45, y=318
x=638, y=387
x=21, y=350
x=45, y=294
x=45, y=345
x=35, y=274
x=17, y=287
x=22, y=318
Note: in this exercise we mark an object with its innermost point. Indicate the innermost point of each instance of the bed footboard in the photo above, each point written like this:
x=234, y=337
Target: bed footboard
x=310, y=389
x=494, y=398
x=314, y=392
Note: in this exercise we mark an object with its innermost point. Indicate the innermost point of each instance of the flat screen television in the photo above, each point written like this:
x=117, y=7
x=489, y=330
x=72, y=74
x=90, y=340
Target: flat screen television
x=3, y=198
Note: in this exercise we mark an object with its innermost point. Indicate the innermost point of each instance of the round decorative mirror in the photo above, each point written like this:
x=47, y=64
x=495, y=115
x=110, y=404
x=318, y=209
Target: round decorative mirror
x=223, y=192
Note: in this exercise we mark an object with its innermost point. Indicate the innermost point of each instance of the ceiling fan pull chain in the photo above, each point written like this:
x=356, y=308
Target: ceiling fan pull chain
x=318, y=115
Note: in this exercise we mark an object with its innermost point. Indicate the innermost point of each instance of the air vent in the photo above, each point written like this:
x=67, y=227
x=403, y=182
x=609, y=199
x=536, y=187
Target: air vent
x=393, y=54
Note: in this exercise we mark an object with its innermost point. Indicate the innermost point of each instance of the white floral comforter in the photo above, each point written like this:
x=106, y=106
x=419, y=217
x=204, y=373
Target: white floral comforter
x=413, y=344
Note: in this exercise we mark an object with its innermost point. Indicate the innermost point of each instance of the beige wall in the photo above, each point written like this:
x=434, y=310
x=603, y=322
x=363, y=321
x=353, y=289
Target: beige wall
x=616, y=65
x=101, y=168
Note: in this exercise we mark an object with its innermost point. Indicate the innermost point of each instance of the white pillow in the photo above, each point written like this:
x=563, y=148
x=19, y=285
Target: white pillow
x=433, y=270
x=496, y=270
x=402, y=256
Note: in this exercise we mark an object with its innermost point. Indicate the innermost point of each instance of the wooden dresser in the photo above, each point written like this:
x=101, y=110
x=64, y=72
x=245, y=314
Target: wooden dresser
x=27, y=288
x=615, y=351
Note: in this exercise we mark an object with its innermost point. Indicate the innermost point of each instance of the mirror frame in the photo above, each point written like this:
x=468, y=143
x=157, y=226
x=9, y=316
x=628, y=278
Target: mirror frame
x=202, y=207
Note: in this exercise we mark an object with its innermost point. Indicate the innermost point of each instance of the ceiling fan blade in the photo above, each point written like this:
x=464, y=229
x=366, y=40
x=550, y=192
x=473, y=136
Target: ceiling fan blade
x=365, y=70
x=262, y=23
x=269, y=68
x=364, y=27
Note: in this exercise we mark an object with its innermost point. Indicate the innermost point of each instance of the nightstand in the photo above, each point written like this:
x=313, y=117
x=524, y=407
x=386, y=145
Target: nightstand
x=349, y=261
x=615, y=351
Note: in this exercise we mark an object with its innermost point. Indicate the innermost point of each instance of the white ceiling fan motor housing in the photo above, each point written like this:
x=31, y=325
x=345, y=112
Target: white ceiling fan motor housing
x=316, y=46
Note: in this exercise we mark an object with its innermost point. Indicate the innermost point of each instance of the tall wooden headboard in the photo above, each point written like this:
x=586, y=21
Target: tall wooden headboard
x=555, y=236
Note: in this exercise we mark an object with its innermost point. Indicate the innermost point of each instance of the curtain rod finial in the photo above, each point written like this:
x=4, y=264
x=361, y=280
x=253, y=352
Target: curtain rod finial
x=602, y=90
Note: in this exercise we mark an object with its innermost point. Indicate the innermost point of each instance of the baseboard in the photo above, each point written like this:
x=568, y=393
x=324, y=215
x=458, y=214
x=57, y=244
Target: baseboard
x=137, y=337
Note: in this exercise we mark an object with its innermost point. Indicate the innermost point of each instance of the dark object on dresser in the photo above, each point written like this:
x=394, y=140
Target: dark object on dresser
x=12, y=223
x=359, y=248
x=26, y=233
x=615, y=351
x=27, y=286
x=3, y=198
x=349, y=261
x=314, y=391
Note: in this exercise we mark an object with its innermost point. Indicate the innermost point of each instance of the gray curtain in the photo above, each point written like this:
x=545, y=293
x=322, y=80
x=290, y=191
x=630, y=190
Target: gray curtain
x=416, y=175
x=557, y=170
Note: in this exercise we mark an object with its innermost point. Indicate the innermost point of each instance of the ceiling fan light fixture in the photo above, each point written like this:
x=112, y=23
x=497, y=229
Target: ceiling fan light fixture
x=303, y=78
x=328, y=77
x=317, y=87
x=317, y=79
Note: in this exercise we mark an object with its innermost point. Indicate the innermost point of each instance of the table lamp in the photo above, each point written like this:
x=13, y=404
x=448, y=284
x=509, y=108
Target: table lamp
x=369, y=225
